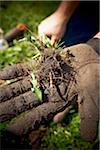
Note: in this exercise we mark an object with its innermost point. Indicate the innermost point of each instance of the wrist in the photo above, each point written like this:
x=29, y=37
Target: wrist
x=63, y=17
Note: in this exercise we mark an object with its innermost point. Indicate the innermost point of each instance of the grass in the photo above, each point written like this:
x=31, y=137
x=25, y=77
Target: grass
x=65, y=136
x=27, y=12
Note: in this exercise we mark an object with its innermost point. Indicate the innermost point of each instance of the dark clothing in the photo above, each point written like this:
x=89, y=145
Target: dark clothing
x=83, y=24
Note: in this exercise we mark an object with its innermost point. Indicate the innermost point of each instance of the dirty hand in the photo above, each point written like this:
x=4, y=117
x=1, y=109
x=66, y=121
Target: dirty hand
x=62, y=76
x=18, y=100
x=16, y=96
x=53, y=26
x=86, y=65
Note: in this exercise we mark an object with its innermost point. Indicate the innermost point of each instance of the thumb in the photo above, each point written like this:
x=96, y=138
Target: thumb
x=60, y=116
x=53, y=39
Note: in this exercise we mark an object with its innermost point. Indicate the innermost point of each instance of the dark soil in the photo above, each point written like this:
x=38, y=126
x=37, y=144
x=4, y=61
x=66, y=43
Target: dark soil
x=55, y=72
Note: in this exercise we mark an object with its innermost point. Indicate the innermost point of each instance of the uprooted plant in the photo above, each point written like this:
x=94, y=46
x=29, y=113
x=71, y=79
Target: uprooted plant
x=54, y=76
x=60, y=77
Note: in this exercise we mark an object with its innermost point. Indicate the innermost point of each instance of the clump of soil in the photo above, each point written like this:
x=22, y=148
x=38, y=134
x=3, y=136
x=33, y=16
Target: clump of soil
x=55, y=72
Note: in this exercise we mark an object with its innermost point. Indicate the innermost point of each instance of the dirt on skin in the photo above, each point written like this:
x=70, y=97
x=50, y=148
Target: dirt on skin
x=55, y=77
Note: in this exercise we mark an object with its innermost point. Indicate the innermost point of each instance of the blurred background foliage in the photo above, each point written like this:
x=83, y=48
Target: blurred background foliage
x=65, y=135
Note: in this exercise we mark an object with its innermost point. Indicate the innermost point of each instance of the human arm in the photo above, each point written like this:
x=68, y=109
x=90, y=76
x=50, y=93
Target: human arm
x=54, y=26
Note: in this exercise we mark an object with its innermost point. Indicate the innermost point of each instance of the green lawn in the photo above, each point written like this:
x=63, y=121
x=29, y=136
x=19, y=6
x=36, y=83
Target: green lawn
x=66, y=137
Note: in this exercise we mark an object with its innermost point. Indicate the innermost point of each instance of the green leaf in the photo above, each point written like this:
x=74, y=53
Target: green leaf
x=38, y=93
x=35, y=56
x=34, y=81
x=35, y=89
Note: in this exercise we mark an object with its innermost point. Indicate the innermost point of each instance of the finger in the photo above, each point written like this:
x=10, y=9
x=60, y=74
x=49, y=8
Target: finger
x=42, y=33
x=35, y=117
x=89, y=120
x=41, y=36
x=89, y=101
x=53, y=39
x=15, y=106
x=15, y=89
x=14, y=71
x=60, y=116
